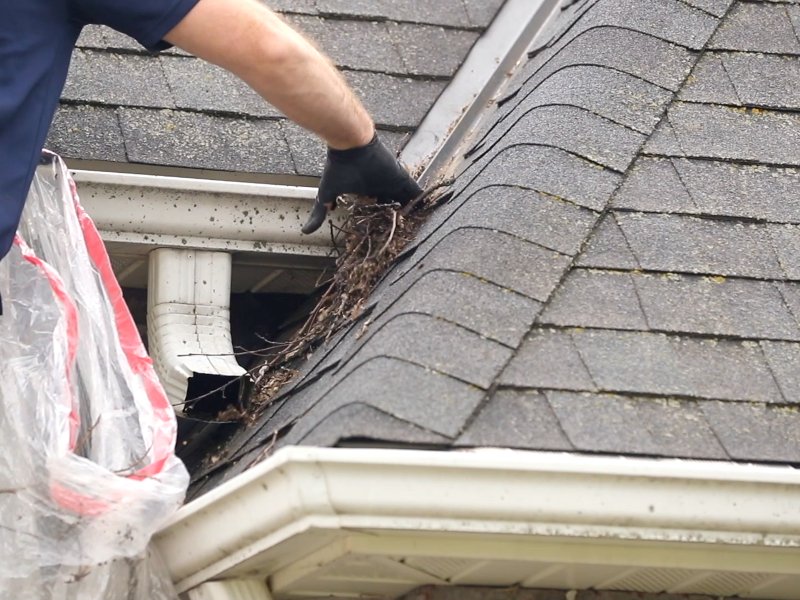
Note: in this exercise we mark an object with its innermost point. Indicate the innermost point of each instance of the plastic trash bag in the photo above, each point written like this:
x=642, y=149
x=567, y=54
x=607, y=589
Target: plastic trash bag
x=87, y=465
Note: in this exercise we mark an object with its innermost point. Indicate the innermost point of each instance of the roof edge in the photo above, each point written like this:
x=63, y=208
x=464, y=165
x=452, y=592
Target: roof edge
x=299, y=500
x=482, y=74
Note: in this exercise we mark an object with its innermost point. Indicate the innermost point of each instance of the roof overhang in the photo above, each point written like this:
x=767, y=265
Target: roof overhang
x=352, y=522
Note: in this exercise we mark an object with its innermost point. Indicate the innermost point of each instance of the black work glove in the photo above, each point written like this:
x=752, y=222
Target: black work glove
x=369, y=170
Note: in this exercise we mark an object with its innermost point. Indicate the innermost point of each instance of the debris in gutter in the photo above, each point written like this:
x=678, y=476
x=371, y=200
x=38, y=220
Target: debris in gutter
x=370, y=240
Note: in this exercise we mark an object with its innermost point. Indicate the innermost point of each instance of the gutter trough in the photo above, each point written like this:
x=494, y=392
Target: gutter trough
x=180, y=212
x=306, y=517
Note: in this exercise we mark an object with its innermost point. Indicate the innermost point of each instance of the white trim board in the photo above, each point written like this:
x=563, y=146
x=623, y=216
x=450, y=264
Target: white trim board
x=308, y=519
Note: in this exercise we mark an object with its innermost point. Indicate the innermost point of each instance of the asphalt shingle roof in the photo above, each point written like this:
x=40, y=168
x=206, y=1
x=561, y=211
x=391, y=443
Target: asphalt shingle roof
x=122, y=104
x=618, y=270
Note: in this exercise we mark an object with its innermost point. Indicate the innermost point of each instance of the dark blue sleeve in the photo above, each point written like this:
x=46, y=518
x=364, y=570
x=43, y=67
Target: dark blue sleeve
x=147, y=21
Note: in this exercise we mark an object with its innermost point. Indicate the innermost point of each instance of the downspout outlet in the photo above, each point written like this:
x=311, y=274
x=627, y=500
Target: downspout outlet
x=188, y=325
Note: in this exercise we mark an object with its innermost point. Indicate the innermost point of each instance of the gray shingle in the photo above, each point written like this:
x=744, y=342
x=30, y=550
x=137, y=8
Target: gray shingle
x=87, y=132
x=307, y=151
x=596, y=299
x=716, y=306
x=673, y=303
x=361, y=45
x=430, y=400
x=199, y=85
x=557, y=173
x=608, y=248
x=286, y=411
x=442, y=12
x=119, y=80
x=649, y=363
x=675, y=578
x=753, y=191
x=501, y=259
x=691, y=245
x=436, y=345
x=636, y=54
x=548, y=359
x=757, y=27
x=611, y=57
x=538, y=218
x=730, y=133
x=756, y=432
x=764, y=80
x=555, y=29
x=652, y=426
x=204, y=142
x=92, y=36
x=784, y=360
x=524, y=420
x=710, y=82
x=479, y=306
x=575, y=130
x=794, y=14
x=607, y=93
x=362, y=422
x=104, y=38
x=481, y=12
x=791, y=295
x=669, y=20
x=717, y=188
x=715, y=7
x=654, y=185
x=431, y=51
x=664, y=141
x=396, y=102
x=787, y=244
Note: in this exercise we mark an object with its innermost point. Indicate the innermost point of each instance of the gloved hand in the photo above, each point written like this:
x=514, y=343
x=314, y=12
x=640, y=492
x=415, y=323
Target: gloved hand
x=369, y=170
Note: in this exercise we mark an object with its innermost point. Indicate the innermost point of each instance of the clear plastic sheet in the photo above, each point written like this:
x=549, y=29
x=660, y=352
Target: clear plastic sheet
x=88, y=471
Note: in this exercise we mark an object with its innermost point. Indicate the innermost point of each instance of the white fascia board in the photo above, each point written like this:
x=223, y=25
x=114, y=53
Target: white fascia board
x=293, y=504
x=158, y=211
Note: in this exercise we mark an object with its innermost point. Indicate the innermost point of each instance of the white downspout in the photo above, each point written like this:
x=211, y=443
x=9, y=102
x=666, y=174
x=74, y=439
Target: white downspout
x=188, y=321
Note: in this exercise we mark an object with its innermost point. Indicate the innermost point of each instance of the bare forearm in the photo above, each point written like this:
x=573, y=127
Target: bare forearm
x=251, y=41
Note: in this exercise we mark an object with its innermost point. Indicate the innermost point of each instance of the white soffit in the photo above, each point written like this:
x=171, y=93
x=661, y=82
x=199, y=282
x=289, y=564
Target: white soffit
x=349, y=522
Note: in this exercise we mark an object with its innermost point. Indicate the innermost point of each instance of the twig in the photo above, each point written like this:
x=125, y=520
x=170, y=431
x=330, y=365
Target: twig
x=358, y=269
x=391, y=233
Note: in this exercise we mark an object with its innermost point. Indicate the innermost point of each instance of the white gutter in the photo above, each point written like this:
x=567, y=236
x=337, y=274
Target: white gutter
x=180, y=212
x=487, y=66
x=303, y=509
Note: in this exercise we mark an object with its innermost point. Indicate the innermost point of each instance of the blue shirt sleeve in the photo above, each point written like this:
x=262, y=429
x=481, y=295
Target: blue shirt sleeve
x=147, y=21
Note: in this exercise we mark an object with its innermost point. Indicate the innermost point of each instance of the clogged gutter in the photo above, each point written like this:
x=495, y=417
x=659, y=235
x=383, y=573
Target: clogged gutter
x=370, y=241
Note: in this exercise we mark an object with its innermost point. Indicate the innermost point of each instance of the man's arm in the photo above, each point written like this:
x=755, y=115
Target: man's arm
x=251, y=41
